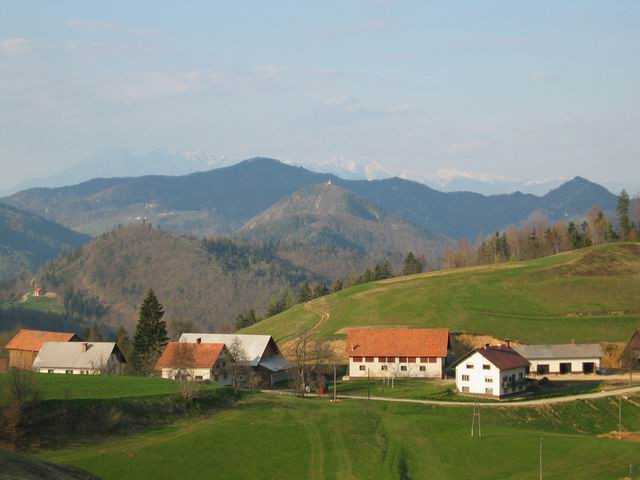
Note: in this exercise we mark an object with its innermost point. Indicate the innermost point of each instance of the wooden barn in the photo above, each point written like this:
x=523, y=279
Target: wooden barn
x=24, y=347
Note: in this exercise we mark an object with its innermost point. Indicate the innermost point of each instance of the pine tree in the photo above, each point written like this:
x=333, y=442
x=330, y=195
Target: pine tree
x=382, y=271
x=123, y=341
x=337, y=286
x=411, y=265
x=320, y=290
x=623, y=215
x=305, y=294
x=151, y=334
x=279, y=304
x=246, y=320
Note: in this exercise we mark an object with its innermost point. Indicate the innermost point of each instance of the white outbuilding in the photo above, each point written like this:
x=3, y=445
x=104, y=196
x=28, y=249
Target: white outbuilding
x=80, y=358
x=492, y=372
x=561, y=359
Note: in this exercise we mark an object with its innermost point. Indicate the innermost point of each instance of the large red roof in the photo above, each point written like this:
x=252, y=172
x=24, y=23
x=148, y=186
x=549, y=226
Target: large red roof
x=204, y=355
x=397, y=342
x=32, y=340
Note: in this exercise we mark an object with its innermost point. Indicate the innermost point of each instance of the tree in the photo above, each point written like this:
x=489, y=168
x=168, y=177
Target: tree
x=151, y=334
x=92, y=333
x=304, y=293
x=279, y=304
x=236, y=364
x=337, y=285
x=309, y=360
x=123, y=341
x=320, y=290
x=246, y=320
x=383, y=271
x=624, y=222
x=181, y=326
x=411, y=265
x=183, y=361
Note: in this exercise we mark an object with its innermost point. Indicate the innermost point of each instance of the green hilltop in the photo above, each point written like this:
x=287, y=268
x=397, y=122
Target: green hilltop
x=588, y=295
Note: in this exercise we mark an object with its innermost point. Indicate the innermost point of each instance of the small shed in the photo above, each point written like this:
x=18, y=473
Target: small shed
x=562, y=358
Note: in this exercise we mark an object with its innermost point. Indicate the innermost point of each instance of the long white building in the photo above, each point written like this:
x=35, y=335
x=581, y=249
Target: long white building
x=79, y=358
x=397, y=352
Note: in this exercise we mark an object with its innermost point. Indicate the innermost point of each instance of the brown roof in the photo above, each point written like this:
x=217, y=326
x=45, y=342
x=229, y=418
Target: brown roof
x=401, y=342
x=32, y=340
x=205, y=355
x=504, y=358
x=634, y=343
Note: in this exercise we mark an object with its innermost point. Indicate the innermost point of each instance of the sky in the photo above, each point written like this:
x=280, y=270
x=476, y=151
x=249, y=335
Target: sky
x=528, y=90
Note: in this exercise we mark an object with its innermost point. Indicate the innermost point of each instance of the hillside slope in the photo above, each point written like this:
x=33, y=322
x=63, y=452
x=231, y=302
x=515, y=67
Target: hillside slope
x=28, y=240
x=333, y=232
x=208, y=283
x=222, y=200
x=589, y=295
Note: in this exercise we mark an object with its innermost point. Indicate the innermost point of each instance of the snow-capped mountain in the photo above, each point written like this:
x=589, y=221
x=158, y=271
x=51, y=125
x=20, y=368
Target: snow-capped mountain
x=352, y=170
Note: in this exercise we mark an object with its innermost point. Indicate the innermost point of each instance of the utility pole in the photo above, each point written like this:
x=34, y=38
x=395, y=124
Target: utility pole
x=368, y=386
x=335, y=394
x=620, y=417
x=476, y=414
x=541, y=458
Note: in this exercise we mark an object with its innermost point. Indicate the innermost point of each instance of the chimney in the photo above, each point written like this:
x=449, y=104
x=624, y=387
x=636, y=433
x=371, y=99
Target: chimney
x=486, y=345
x=85, y=346
x=198, y=341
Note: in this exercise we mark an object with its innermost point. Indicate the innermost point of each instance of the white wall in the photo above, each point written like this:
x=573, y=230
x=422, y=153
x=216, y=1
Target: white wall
x=554, y=365
x=480, y=378
x=375, y=369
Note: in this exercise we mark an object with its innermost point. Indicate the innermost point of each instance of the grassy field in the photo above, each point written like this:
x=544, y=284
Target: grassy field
x=78, y=387
x=42, y=304
x=589, y=295
x=289, y=438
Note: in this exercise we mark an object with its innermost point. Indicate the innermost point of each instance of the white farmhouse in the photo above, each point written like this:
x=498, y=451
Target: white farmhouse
x=80, y=358
x=194, y=361
x=492, y=371
x=569, y=358
x=397, y=352
x=262, y=354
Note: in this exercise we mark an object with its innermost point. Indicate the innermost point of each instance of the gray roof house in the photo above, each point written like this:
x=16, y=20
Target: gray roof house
x=84, y=358
x=579, y=358
x=262, y=352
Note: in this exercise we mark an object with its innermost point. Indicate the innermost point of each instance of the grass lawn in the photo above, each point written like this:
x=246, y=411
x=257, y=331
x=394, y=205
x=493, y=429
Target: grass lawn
x=290, y=438
x=78, y=387
x=42, y=304
x=589, y=295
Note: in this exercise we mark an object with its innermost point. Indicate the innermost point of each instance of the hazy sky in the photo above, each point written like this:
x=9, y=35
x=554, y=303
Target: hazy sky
x=521, y=89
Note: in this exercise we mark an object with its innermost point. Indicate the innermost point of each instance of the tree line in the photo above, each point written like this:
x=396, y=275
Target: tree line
x=539, y=238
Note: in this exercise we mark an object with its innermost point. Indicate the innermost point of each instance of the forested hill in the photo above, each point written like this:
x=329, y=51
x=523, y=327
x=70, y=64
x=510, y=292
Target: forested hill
x=206, y=282
x=222, y=200
x=28, y=240
x=331, y=231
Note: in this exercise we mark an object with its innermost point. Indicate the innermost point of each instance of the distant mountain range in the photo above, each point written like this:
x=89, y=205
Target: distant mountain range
x=28, y=240
x=221, y=201
x=119, y=162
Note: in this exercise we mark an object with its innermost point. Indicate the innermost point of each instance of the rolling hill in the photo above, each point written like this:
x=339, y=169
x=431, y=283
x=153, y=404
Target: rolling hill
x=206, y=282
x=588, y=295
x=223, y=200
x=331, y=231
x=28, y=240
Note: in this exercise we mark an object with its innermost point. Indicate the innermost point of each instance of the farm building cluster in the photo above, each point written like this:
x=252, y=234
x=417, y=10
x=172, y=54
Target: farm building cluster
x=495, y=371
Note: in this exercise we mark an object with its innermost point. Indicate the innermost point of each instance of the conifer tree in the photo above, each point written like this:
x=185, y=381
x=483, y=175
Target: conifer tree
x=305, y=294
x=411, y=265
x=151, y=334
x=320, y=290
x=623, y=215
x=337, y=286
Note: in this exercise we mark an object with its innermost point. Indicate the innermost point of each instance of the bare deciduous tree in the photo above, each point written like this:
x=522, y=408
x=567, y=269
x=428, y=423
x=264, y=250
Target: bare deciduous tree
x=236, y=365
x=309, y=359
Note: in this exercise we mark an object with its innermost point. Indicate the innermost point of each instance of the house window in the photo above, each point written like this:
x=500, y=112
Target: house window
x=465, y=389
x=362, y=368
x=411, y=359
x=488, y=391
x=433, y=360
x=403, y=359
x=357, y=359
x=424, y=359
x=486, y=367
x=384, y=368
x=465, y=378
x=369, y=359
x=198, y=377
x=68, y=372
x=391, y=359
x=520, y=375
x=469, y=365
x=488, y=380
x=49, y=371
x=423, y=368
x=403, y=368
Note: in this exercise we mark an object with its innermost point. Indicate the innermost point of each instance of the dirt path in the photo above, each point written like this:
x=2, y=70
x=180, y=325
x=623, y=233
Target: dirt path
x=314, y=307
x=524, y=403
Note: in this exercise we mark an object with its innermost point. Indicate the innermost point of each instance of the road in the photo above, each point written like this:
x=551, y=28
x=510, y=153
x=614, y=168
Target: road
x=523, y=403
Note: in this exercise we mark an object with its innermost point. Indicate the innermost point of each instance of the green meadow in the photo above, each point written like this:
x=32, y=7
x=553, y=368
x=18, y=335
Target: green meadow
x=265, y=436
x=589, y=295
